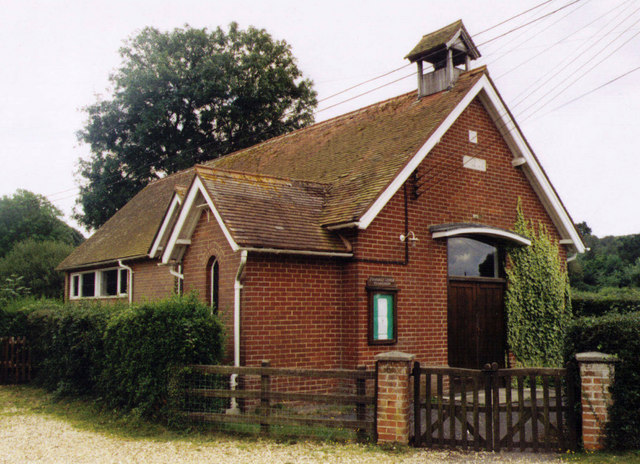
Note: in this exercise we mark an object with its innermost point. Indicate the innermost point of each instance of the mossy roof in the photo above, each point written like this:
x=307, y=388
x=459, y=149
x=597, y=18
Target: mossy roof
x=269, y=212
x=130, y=232
x=282, y=193
x=438, y=40
x=357, y=154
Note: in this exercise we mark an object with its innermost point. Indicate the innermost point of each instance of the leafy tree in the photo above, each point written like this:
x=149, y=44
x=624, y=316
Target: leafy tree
x=183, y=97
x=27, y=215
x=537, y=299
x=34, y=262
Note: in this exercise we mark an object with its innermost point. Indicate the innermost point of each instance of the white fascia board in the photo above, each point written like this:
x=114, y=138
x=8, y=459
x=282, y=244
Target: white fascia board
x=485, y=231
x=503, y=121
x=300, y=252
x=157, y=243
x=189, y=208
x=422, y=153
x=537, y=177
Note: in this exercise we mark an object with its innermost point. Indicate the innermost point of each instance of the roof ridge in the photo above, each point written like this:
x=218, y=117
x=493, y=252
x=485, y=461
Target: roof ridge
x=234, y=173
x=182, y=171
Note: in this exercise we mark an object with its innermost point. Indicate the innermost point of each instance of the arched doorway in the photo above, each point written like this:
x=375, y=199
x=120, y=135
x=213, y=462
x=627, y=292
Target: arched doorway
x=475, y=315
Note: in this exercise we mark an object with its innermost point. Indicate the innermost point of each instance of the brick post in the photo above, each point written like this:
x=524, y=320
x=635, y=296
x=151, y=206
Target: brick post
x=394, y=396
x=596, y=376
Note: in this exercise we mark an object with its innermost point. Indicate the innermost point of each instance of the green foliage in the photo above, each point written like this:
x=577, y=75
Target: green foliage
x=617, y=334
x=609, y=262
x=183, y=97
x=123, y=355
x=537, y=298
x=34, y=262
x=606, y=300
x=67, y=345
x=143, y=344
x=27, y=215
x=11, y=289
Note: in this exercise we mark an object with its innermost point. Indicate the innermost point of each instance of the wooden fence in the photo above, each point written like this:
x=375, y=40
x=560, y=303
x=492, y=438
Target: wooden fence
x=261, y=401
x=15, y=360
x=494, y=409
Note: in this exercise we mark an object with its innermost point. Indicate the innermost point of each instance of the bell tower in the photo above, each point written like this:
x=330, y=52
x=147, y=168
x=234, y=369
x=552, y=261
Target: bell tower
x=444, y=49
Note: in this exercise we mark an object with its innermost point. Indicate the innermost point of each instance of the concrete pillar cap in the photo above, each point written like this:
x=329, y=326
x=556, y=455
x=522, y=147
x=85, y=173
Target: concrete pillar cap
x=596, y=357
x=394, y=356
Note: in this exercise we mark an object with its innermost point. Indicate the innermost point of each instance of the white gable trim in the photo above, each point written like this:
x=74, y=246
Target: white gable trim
x=518, y=146
x=173, y=206
x=422, y=153
x=189, y=208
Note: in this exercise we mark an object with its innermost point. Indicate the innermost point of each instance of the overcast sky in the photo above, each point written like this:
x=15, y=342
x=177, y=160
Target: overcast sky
x=56, y=57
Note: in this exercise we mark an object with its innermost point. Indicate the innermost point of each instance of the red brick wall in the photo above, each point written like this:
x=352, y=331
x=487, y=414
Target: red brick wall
x=450, y=194
x=150, y=281
x=208, y=240
x=292, y=311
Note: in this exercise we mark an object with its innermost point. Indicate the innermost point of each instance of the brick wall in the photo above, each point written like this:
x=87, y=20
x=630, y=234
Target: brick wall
x=450, y=194
x=150, y=281
x=292, y=311
x=209, y=241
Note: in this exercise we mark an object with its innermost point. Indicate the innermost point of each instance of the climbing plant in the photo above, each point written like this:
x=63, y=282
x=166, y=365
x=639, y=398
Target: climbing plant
x=537, y=299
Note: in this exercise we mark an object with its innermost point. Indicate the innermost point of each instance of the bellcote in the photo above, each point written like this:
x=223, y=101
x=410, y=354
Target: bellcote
x=444, y=49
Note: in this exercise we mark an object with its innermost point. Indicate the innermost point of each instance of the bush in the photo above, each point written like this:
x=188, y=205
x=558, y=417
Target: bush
x=67, y=346
x=617, y=334
x=14, y=314
x=142, y=346
x=606, y=300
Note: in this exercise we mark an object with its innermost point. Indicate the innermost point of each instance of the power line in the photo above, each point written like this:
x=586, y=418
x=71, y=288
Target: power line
x=518, y=101
x=513, y=17
x=606, y=57
x=595, y=89
x=530, y=22
x=561, y=40
x=365, y=82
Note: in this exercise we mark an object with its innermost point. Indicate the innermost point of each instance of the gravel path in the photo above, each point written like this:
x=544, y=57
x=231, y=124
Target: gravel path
x=33, y=438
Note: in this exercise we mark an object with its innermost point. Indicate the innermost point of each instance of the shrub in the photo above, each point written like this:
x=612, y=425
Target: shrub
x=617, y=334
x=142, y=345
x=67, y=345
x=14, y=314
x=606, y=300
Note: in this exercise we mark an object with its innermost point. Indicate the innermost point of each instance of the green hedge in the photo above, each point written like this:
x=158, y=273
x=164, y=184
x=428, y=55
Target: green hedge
x=605, y=301
x=122, y=355
x=143, y=344
x=617, y=334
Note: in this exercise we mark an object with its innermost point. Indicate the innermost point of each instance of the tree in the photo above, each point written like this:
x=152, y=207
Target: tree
x=27, y=215
x=183, y=97
x=537, y=299
x=33, y=262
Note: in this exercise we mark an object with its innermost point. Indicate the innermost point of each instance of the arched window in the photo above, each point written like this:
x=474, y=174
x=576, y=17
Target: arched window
x=213, y=283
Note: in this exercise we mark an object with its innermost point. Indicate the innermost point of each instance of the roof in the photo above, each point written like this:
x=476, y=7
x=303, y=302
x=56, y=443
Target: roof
x=270, y=212
x=358, y=154
x=432, y=43
x=287, y=193
x=130, y=232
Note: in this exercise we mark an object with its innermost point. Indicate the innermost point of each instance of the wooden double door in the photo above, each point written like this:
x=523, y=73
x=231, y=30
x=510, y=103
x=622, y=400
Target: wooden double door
x=476, y=322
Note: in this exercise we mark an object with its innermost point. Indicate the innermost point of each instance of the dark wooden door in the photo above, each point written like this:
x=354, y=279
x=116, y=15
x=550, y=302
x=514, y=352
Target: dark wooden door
x=476, y=323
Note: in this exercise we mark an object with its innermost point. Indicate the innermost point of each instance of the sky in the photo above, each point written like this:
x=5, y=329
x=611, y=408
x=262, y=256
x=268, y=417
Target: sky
x=569, y=70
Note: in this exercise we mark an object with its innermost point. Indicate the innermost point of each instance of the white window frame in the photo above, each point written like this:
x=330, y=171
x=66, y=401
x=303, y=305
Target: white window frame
x=97, y=290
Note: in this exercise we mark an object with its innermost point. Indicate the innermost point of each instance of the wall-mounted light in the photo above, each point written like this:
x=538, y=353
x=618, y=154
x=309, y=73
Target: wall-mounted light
x=411, y=237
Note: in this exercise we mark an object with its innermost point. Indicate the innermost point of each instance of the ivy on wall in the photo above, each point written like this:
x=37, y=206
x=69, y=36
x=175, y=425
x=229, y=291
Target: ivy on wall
x=537, y=300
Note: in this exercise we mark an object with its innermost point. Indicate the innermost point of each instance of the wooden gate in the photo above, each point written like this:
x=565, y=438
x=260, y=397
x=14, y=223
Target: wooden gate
x=15, y=360
x=493, y=409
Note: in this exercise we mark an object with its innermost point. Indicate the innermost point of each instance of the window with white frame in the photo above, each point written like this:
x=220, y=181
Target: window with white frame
x=104, y=283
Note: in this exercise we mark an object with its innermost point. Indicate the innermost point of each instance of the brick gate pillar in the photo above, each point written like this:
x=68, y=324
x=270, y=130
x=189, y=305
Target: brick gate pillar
x=394, y=396
x=596, y=376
